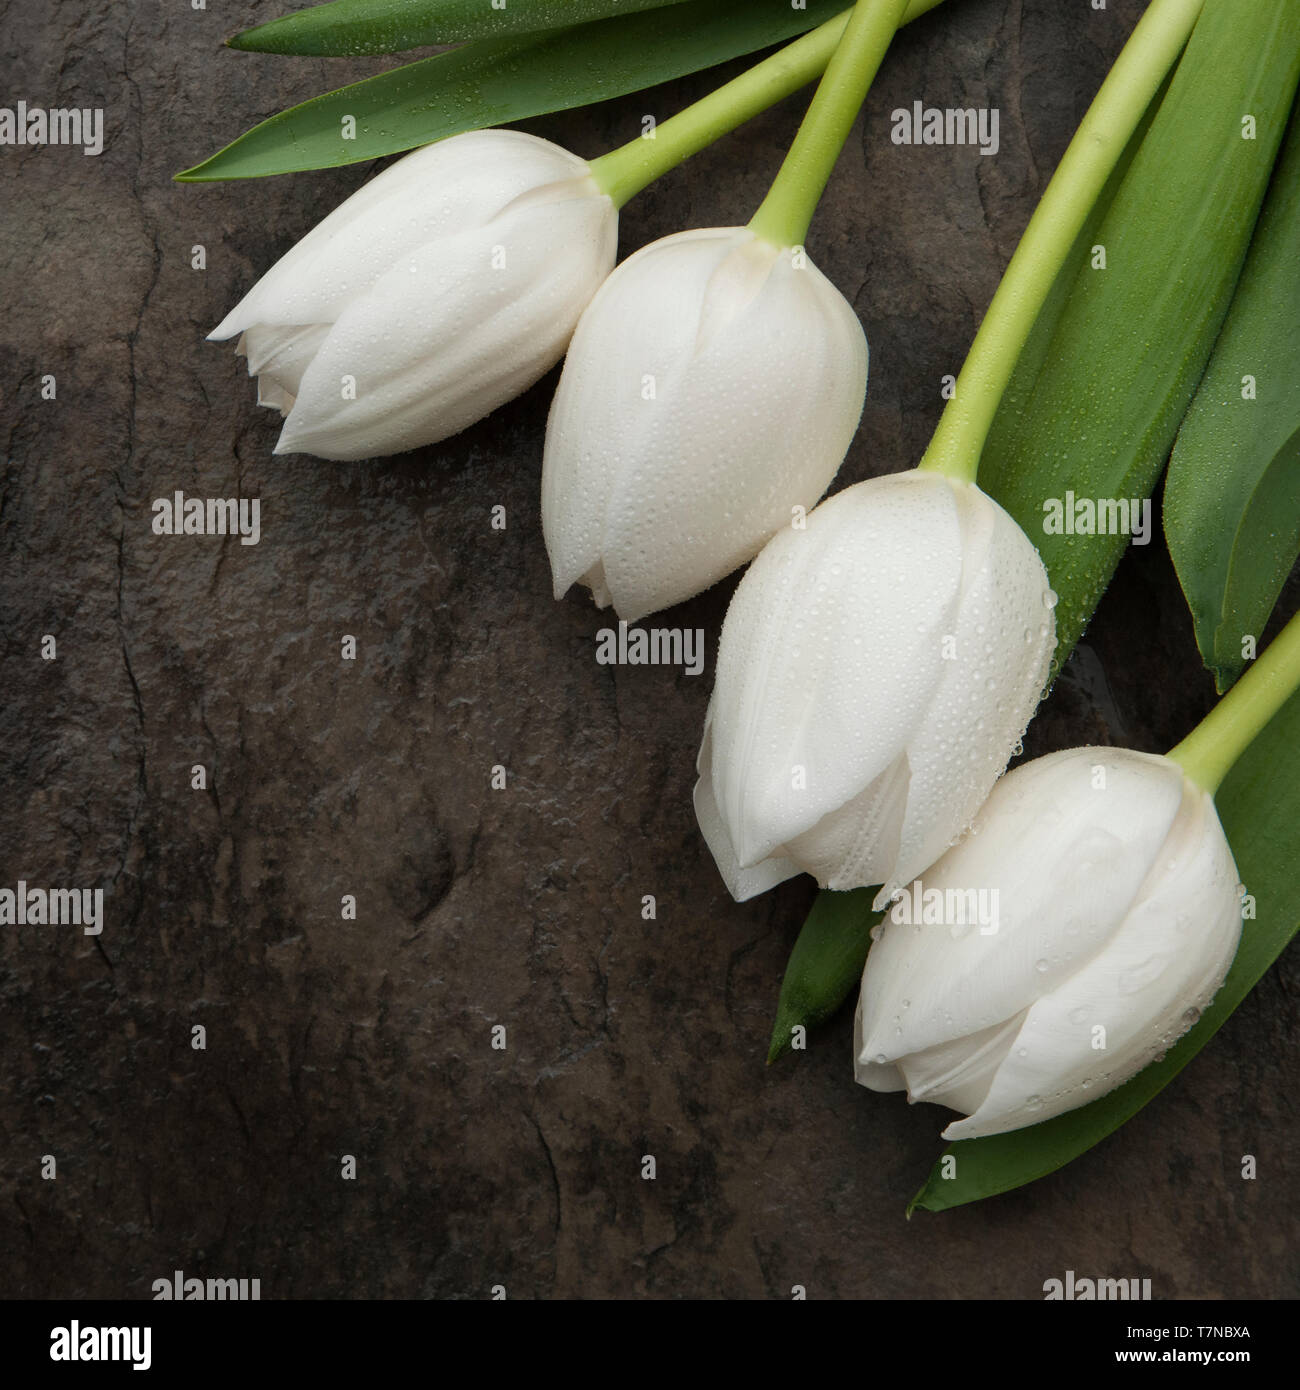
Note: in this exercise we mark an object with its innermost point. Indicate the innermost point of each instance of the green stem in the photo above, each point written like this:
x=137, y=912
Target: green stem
x=785, y=213
x=1143, y=64
x=1207, y=754
x=624, y=172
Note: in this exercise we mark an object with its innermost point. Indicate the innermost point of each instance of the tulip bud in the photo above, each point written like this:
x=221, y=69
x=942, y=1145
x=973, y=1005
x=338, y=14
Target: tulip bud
x=875, y=672
x=439, y=290
x=1117, y=916
x=713, y=385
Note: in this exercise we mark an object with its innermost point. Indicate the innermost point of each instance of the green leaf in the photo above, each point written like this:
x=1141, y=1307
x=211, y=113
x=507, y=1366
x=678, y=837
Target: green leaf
x=1097, y=402
x=1232, y=497
x=825, y=965
x=1259, y=805
x=350, y=28
x=500, y=81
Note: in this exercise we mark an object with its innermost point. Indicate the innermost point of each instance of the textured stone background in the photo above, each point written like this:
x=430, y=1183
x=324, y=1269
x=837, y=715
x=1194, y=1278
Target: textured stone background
x=371, y=1038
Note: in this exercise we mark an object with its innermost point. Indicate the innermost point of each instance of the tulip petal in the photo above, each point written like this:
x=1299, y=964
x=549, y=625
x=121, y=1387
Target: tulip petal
x=875, y=1073
x=440, y=191
x=987, y=693
x=624, y=341
x=1137, y=995
x=797, y=735
x=454, y=330
x=742, y=882
x=281, y=355
x=960, y=1073
x=850, y=847
x=1066, y=859
x=273, y=396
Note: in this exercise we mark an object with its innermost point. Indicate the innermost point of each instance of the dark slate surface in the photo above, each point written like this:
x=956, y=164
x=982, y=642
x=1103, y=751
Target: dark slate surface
x=521, y=907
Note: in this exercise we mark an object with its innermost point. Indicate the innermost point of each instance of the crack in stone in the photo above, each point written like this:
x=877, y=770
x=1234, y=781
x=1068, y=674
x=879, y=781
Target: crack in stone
x=555, y=1176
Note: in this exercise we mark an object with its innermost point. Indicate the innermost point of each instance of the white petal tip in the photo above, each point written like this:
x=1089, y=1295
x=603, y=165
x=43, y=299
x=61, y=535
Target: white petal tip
x=223, y=332
x=967, y=1128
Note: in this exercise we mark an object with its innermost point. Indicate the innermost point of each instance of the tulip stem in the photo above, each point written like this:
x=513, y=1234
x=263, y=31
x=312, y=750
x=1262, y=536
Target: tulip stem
x=784, y=215
x=624, y=172
x=1207, y=754
x=1117, y=110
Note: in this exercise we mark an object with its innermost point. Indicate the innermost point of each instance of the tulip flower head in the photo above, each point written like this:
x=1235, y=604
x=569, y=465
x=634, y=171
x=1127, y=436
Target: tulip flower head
x=1118, y=915
x=438, y=291
x=713, y=386
x=875, y=671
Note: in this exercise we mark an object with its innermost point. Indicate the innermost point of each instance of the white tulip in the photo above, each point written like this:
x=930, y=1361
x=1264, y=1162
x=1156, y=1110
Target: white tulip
x=713, y=384
x=875, y=673
x=1117, y=915
x=439, y=290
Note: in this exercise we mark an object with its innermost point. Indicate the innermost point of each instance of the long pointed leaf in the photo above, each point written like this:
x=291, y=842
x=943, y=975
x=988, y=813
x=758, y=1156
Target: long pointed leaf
x=825, y=965
x=1232, y=497
x=350, y=28
x=1098, y=415
x=502, y=80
